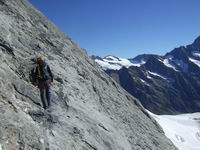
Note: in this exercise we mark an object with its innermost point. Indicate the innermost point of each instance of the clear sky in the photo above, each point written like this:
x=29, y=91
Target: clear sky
x=125, y=28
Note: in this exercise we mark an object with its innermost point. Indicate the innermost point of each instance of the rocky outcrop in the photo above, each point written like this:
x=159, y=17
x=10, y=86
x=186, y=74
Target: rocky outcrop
x=89, y=110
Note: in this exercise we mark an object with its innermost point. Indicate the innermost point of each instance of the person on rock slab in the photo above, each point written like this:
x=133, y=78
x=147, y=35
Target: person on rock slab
x=43, y=78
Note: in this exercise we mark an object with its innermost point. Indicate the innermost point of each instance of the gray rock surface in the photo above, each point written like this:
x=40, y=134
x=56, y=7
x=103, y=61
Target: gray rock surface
x=89, y=110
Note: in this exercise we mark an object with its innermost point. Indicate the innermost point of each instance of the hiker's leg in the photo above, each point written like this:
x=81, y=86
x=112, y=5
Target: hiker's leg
x=48, y=94
x=42, y=95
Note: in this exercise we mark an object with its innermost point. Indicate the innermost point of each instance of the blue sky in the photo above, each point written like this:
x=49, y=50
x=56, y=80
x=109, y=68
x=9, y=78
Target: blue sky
x=125, y=28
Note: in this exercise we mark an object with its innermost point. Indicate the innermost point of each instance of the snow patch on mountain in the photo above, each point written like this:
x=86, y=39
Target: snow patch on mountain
x=183, y=130
x=196, y=54
x=115, y=63
x=107, y=65
x=196, y=62
x=170, y=62
x=119, y=61
x=137, y=63
x=156, y=74
x=144, y=82
x=149, y=77
x=111, y=58
x=167, y=62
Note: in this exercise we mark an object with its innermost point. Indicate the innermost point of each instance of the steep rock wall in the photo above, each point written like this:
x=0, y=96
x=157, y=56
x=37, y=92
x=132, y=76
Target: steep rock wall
x=89, y=110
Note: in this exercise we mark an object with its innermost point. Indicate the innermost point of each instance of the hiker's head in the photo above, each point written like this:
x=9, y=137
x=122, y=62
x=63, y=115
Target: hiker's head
x=40, y=60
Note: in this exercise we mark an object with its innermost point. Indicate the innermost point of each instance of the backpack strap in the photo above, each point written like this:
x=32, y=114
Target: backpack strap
x=39, y=74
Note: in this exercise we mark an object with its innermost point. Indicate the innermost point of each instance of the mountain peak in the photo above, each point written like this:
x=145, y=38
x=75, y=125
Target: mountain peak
x=111, y=62
x=176, y=71
x=179, y=53
x=111, y=58
x=142, y=57
x=196, y=43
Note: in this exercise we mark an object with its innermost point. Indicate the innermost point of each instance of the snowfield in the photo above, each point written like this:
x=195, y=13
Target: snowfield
x=168, y=63
x=183, y=130
x=156, y=74
x=196, y=54
x=115, y=63
x=196, y=62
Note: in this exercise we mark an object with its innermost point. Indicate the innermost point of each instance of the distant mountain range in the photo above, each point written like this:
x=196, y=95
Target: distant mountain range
x=168, y=84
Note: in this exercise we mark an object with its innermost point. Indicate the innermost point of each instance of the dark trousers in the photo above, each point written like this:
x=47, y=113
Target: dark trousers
x=45, y=93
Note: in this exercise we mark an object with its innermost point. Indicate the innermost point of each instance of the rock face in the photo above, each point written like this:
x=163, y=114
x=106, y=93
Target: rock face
x=167, y=84
x=89, y=110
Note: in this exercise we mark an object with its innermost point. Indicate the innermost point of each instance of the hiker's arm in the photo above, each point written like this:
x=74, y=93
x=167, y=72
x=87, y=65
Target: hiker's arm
x=35, y=75
x=50, y=73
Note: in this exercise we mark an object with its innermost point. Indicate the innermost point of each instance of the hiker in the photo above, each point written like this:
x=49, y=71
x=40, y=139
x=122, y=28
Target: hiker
x=43, y=78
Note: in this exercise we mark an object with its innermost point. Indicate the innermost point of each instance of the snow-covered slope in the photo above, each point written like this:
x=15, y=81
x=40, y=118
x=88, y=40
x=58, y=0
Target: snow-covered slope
x=115, y=63
x=196, y=54
x=196, y=62
x=167, y=62
x=156, y=74
x=183, y=130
